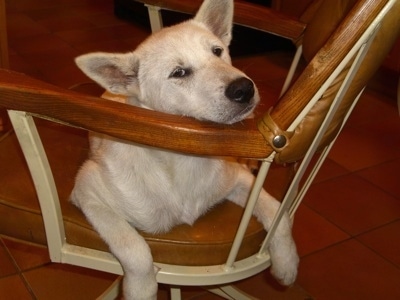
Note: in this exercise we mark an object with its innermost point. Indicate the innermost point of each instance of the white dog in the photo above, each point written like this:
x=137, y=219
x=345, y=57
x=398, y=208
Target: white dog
x=185, y=70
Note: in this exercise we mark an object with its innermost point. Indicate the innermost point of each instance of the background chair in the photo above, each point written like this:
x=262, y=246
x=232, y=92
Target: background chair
x=296, y=118
x=3, y=55
x=3, y=37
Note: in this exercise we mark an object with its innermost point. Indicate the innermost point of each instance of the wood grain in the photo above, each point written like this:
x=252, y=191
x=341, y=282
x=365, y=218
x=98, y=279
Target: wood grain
x=247, y=14
x=325, y=61
x=151, y=128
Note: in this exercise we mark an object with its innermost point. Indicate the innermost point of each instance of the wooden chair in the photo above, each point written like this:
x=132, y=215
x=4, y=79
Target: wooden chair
x=3, y=36
x=4, y=63
x=343, y=49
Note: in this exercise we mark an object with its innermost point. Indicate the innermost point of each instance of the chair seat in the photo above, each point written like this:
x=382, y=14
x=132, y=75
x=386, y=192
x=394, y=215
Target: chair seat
x=210, y=238
x=67, y=148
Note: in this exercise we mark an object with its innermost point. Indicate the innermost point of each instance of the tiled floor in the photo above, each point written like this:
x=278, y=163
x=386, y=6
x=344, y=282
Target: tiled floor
x=347, y=229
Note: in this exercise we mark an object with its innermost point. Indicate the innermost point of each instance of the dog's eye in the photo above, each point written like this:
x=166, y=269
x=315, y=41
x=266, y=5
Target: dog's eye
x=217, y=51
x=180, y=72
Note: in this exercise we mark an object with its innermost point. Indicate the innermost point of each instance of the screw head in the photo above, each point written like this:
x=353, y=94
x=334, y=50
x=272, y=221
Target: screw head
x=279, y=141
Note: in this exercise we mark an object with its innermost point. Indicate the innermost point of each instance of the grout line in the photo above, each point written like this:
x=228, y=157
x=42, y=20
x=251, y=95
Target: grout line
x=6, y=134
x=10, y=256
x=356, y=237
x=19, y=271
x=357, y=173
x=28, y=286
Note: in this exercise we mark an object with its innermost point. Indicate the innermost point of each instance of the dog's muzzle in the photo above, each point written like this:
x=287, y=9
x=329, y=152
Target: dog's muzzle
x=241, y=90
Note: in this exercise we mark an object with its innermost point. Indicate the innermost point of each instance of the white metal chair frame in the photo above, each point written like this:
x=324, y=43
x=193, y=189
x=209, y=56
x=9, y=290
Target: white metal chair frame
x=218, y=275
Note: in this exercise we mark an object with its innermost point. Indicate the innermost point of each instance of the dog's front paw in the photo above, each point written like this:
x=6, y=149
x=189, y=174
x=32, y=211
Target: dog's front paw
x=140, y=287
x=285, y=261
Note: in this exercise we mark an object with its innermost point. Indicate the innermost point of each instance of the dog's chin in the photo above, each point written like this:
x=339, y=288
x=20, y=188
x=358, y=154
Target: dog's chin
x=238, y=116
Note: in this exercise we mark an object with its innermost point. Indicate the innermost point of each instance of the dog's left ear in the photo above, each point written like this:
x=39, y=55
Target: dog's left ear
x=218, y=17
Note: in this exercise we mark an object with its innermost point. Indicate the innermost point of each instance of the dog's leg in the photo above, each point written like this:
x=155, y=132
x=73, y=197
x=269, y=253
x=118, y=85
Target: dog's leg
x=282, y=248
x=127, y=245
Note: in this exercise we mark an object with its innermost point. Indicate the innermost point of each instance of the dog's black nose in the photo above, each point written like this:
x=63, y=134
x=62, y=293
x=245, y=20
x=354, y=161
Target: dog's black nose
x=240, y=90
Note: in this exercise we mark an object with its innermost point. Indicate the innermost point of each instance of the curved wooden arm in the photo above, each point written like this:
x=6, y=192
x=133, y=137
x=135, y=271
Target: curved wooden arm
x=247, y=14
x=325, y=61
x=176, y=133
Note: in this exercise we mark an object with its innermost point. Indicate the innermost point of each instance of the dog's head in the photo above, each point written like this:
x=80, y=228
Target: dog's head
x=184, y=69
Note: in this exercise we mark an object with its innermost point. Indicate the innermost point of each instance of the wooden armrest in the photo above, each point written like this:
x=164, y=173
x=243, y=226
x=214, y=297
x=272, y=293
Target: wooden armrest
x=23, y=93
x=326, y=61
x=268, y=20
x=247, y=14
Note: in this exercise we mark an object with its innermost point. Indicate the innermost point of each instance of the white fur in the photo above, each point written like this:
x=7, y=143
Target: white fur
x=123, y=186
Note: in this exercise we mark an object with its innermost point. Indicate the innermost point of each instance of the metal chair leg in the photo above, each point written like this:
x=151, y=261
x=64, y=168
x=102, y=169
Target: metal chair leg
x=175, y=293
x=156, y=22
x=231, y=292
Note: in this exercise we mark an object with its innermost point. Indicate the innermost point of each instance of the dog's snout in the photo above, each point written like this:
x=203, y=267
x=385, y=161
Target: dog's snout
x=240, y=90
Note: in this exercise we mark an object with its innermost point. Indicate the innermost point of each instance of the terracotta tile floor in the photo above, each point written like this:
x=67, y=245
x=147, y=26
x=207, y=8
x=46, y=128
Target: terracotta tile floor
x=347, y=229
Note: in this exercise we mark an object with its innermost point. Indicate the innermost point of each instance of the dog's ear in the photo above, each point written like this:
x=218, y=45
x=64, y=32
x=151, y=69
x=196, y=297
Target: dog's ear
x=117, y=73
x=218, y=17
